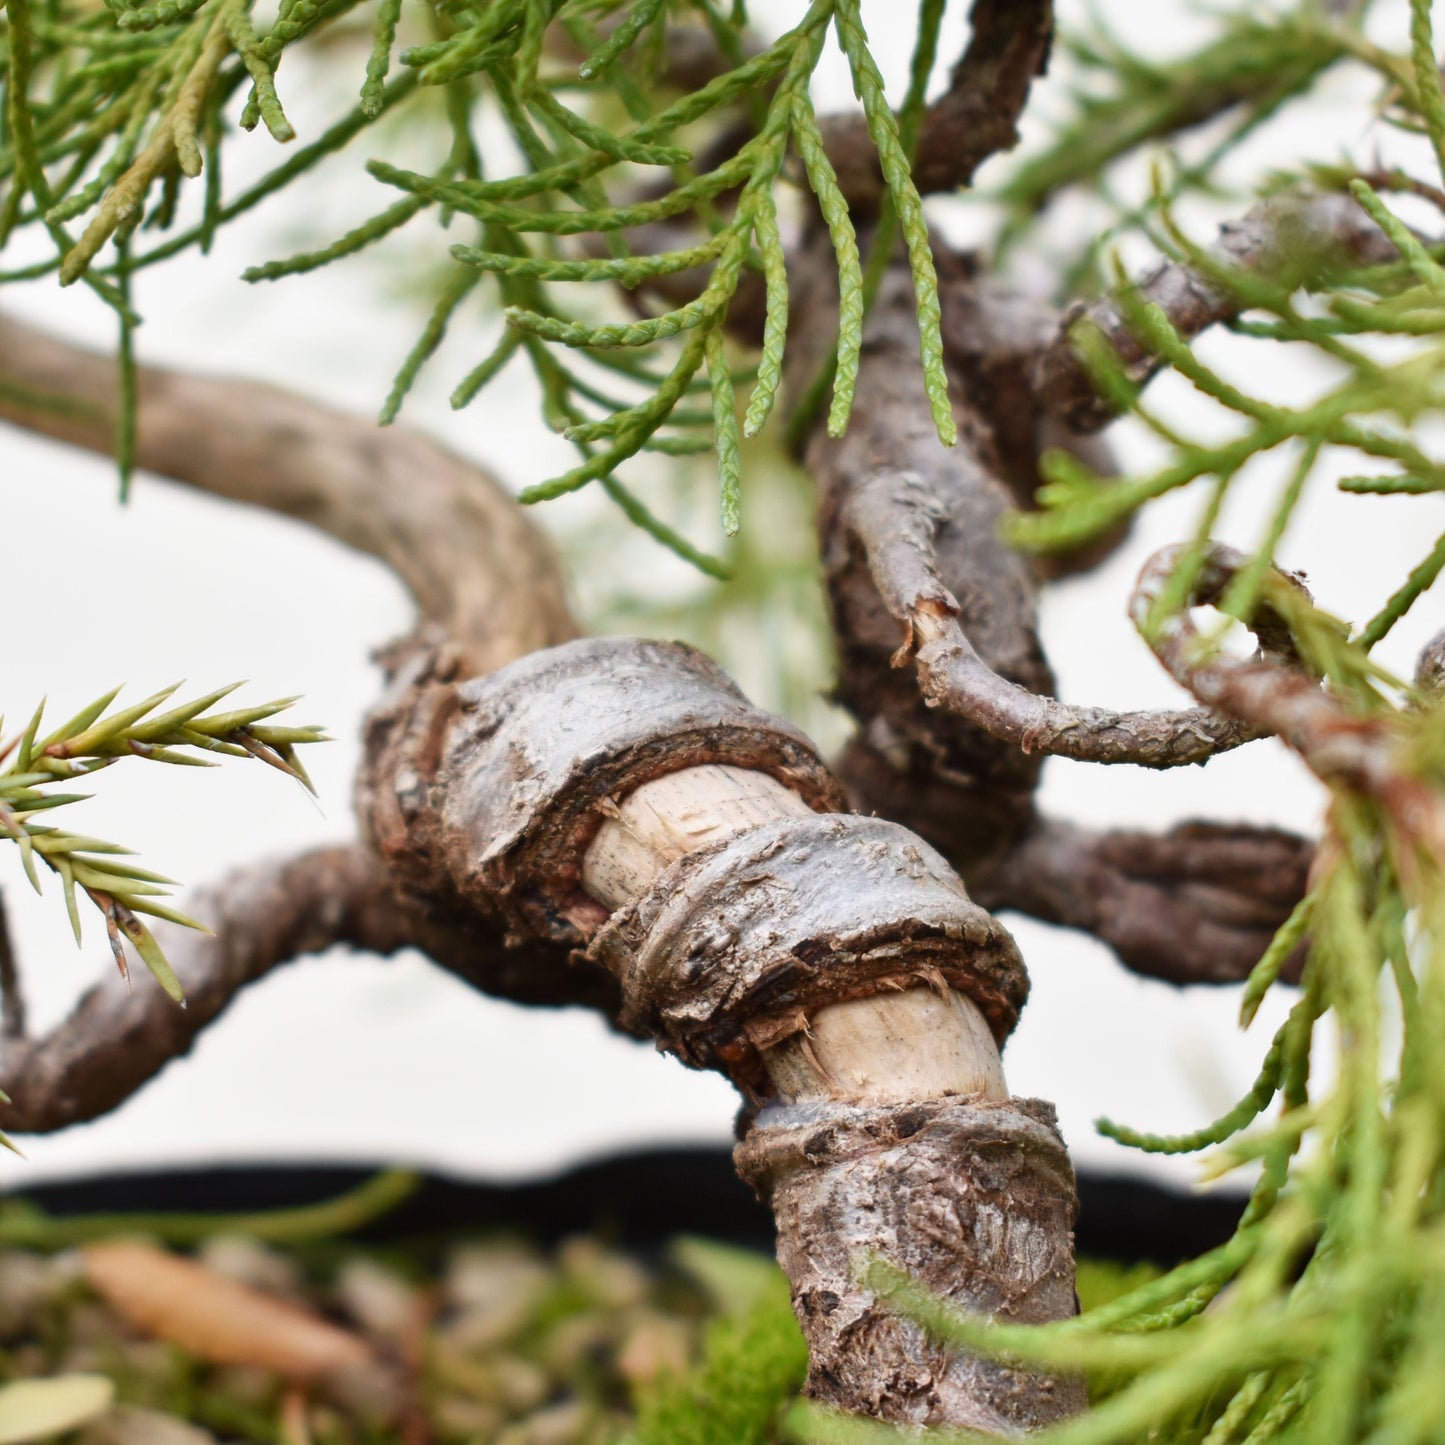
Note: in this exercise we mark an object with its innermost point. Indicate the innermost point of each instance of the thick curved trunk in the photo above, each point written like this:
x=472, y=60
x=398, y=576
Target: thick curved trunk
x=621, y=798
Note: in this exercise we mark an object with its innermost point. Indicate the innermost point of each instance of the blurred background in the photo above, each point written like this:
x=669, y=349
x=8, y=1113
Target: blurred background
x=353, y=1059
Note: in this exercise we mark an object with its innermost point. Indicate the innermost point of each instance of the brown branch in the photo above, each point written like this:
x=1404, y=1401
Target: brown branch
x=1297, y=238
x=114, y=1041
x=974, y=119
x=1198, y=904
x=910, y=531
x=474, y=563
x=952, y=675
x=1339, y=746
x=12, y=999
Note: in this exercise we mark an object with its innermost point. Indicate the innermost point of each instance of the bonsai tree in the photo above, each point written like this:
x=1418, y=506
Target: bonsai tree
x=689, y=255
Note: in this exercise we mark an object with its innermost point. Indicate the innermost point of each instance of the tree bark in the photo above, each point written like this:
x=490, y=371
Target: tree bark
x=116, y=1040
x=480, y=571
x=1291, y=239
x=620, y=796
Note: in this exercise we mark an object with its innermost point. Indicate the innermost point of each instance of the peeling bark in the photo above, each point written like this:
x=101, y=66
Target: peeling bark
x=501, y=794
x=485, y=794
x=976, y=1200
x=1270, y=692
x=576, y=808
x=739, y=943
x=913, y=559
x=916, y=569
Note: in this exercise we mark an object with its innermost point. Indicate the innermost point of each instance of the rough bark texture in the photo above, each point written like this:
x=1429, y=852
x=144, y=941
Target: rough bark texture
x=490, y=794
x=975, y=1199
x=737, y=944
x=116, y=1040
x=1196, y=904
x=1270, y=693
x=890, y=480
x=1291, y=239
x=483, y=795
x=494, y=787
x=1430, y=666
x=915, y=567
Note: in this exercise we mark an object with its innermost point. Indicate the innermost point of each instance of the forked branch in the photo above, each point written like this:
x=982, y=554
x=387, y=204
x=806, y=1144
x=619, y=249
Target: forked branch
x=923, y=523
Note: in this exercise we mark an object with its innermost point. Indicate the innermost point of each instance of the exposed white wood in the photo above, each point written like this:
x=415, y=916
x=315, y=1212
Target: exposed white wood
x=673, y=815
x=914, y=1043
x=889, y=1048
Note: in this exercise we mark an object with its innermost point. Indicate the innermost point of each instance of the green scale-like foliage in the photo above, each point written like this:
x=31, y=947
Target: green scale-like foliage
x=1320, y=1322
x=109, y=111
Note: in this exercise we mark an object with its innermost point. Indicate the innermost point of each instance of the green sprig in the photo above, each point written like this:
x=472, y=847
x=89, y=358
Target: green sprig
x=93, y=739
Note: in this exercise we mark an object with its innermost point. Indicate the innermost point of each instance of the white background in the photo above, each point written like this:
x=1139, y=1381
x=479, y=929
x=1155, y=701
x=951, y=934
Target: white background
x=345, y=1058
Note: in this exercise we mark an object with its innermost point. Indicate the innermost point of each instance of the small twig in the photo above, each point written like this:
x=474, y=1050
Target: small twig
x=1394, y=179
x=1290, y=239
x=1339, y=746
x=12, y=999
x=912, y=528
x=952, y=675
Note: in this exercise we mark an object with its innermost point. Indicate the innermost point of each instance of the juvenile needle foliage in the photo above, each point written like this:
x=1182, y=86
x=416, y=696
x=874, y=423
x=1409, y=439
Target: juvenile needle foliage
x=36, y=764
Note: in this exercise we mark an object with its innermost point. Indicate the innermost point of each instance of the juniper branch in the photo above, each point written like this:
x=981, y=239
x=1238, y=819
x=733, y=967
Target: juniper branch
x=1197, y=904
x=893, y=497
x=474, y=564
x=114, y=1041
x=975, y=118
x=1297, y=238
x=1365, y=754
